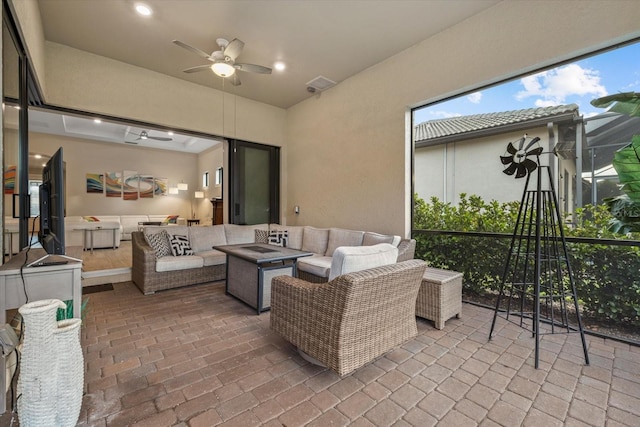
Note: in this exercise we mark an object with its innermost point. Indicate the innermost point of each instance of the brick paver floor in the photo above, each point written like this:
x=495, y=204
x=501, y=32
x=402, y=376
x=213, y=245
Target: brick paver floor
x=197, y=357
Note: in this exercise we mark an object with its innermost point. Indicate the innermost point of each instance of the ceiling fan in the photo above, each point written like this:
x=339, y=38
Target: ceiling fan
x=144, y=135
x=224, y=60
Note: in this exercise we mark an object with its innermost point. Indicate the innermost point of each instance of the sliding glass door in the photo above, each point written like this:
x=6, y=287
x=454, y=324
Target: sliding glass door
x=254, y=183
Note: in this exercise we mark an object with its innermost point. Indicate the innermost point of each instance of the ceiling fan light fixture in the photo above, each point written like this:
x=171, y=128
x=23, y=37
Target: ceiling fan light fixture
x=143, y=9
x=223, y=69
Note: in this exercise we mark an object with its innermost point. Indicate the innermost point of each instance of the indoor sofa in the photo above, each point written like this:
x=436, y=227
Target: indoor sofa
x=152, y=273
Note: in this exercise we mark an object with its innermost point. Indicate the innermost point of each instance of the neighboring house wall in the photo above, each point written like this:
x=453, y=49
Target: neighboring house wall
x=347, y=151
x=473, y=167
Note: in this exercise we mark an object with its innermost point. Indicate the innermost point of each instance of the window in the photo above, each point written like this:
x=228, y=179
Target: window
x=205, y=180
x=34, y=192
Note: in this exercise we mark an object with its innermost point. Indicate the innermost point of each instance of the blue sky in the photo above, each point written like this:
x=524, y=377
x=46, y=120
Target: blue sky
x=579, y=82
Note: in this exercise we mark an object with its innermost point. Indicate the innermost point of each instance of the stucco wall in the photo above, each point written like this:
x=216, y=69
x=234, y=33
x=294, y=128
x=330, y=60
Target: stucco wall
x=347, y=146
x=30, y=25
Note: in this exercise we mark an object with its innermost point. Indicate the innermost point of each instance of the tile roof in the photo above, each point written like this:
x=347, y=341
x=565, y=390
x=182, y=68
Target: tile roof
x=463, y=124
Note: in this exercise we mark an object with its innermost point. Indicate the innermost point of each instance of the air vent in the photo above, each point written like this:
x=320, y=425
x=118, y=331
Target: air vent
x=321, y=83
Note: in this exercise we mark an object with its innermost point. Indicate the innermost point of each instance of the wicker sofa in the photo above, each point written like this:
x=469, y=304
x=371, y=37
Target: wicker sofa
x=336, y=324
x=151, y=274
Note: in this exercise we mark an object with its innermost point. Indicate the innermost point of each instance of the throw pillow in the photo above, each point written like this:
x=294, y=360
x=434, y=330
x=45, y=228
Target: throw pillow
x=91, y=219
x=262, y=236
x=279, y=238
x=171, y=219
x=180, y=245
x=159, y=242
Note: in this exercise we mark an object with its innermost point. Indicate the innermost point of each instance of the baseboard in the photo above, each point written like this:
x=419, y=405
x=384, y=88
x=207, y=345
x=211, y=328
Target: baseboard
x=100, y=277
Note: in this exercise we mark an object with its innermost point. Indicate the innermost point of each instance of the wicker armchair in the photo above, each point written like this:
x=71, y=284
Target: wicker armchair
x=352, y=319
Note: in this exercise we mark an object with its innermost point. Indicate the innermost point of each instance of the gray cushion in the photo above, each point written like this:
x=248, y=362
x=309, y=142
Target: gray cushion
x=174, y=263
x=315, y=240
x=212, y=257
x=348, y=259
x=204, y=238
x=159, y=242
x=340, y=237
x=242, y=233
x=375, y=238
x=317, y=264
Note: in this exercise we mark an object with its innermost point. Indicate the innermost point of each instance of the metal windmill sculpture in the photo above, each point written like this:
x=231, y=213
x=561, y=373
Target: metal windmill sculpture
x=537, y=287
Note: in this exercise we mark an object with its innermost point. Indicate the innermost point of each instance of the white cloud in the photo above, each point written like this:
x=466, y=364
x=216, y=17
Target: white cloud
x=554, y=86
x=444, y=114
x=474, y=97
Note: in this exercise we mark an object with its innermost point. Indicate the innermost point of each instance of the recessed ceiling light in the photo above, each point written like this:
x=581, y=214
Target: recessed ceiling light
x=170, y=133
x=97, y=121
x=37, y=156
x=143, y=9
x=280, y=66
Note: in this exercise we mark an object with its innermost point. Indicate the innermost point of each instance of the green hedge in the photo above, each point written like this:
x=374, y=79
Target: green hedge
x=607, y=277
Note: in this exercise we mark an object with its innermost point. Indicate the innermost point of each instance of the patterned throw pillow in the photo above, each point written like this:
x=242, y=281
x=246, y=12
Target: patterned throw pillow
x=262, y=236
x=180, y=245
x=279, y=238
x=159, y=242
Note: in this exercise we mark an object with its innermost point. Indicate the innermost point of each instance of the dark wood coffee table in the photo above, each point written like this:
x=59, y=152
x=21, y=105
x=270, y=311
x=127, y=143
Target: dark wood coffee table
x=250, y=268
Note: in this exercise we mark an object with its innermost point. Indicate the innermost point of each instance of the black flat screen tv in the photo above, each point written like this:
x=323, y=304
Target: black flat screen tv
x=51, y=192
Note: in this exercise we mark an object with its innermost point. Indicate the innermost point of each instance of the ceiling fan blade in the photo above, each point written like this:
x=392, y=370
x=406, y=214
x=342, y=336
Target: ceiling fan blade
x=194, y=50
x=234, y=48
x=160, y=138
x=253, y=68
x=196, y=69
x=511, y=169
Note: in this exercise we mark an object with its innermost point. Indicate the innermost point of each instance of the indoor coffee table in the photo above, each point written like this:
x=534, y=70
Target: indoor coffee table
x=250, y=268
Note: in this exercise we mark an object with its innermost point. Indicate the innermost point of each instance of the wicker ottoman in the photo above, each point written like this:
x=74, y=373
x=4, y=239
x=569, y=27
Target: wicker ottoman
x=440, y=296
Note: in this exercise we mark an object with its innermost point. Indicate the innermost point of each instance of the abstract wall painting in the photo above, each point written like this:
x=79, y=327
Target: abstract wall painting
x=113, y=184
x=95, y=183
x=146, y=185
x=161, y=187
x=10, y=179
x=130, y=185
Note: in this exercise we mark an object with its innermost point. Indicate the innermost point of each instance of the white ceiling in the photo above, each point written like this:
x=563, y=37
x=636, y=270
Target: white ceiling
x=335, y=39
x=331, y=38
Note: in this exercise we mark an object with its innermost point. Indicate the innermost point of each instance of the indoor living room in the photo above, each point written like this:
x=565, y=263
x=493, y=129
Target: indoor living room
x=195, y=355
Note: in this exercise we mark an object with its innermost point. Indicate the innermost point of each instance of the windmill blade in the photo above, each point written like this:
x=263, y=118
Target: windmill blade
x=534, y=152
x=511, y=149
x=521, y=142
x=194, y=50
x=530, y=144
x=506, y=159
x=234, y=48
x=522, y=171
x=196, y=69
x=530, y=165
x=511, y=169
x=253, y=68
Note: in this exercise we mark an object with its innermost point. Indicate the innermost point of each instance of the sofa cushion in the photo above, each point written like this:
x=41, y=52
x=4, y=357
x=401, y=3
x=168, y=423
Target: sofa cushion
x=212, y=257
x=242, y=233
x=159, y=242
x=315, y=240
x=318, y=265
x=355, y=258
x=204, y=238
x=375, y=238
x=340, y=237
x=180, y=245
x=174, y=263
x=172, y=230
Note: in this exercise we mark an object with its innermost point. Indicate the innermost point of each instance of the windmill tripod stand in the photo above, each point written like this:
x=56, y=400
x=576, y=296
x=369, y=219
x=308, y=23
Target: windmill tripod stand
x=537, y=288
